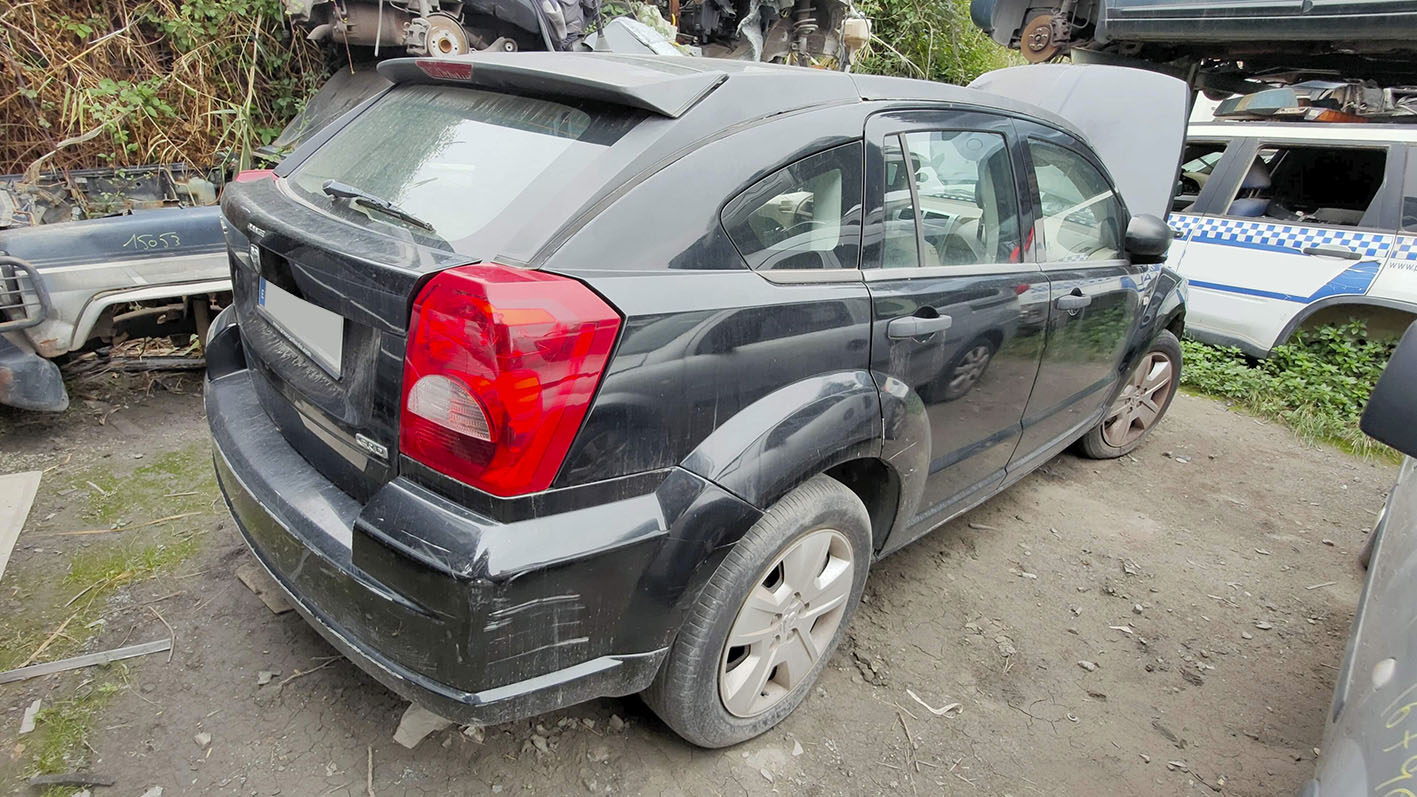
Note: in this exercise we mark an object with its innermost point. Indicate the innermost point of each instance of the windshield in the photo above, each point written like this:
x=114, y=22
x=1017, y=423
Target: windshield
x=455, y=157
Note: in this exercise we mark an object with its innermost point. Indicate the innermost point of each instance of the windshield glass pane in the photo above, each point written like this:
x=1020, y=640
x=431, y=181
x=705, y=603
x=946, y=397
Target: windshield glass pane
x=454, y=157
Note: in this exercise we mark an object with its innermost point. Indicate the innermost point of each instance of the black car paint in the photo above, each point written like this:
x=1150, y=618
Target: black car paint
x=488, y=609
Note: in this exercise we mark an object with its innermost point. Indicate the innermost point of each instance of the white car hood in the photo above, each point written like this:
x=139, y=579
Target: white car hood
x=1134, y=119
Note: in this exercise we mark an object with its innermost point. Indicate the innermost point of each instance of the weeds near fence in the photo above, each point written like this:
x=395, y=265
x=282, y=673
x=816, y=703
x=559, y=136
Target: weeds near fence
x=930, y=39
x=87, y=83
x=1317, y=383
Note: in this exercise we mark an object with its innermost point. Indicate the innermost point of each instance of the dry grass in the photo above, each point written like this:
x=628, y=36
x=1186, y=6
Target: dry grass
x=86, y=83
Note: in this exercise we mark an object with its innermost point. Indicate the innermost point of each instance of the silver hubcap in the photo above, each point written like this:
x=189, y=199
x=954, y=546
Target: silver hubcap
x=788, y=619
x=1139, y=405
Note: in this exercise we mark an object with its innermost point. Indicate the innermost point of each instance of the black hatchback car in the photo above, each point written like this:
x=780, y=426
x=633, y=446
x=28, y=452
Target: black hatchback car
x=552, y=377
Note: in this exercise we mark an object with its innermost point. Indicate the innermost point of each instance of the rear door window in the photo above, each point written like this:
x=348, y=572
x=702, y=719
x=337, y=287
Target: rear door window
x=456, y=157
x=803, y=216
x=1309, y=184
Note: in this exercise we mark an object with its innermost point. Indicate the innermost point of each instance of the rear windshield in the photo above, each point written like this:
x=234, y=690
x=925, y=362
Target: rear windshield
x=455, y=157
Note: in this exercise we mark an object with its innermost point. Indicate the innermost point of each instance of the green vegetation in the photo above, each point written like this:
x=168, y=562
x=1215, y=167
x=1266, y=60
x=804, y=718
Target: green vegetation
x=108, y=82
x=61, y=731
x=1317, y=383
x=150, y=521
x=932, y=40
x=177, y=489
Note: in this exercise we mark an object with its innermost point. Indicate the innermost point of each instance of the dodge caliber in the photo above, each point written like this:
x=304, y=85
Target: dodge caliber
x=552, y=377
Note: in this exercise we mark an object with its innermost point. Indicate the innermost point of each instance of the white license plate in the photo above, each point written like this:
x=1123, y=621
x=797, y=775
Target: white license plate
x=317, y=331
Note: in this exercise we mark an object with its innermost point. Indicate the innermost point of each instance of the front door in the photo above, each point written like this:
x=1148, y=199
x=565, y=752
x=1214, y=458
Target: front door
x=959, y=307
x=1095, y=290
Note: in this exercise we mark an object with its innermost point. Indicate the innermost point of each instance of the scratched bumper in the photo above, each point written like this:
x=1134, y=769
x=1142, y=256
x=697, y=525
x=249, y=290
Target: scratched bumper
x=477, y=620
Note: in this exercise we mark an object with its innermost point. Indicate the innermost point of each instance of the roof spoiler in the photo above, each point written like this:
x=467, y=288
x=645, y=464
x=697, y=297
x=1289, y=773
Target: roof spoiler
x=648, y=83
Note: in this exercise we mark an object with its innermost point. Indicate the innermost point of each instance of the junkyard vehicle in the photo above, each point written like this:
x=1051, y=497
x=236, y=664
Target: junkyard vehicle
x=148, y=273
x=1370, y=40
x=1286, y=225
x=1367, y=739
x=519, y=419
x=150, y=261
x=798, y=32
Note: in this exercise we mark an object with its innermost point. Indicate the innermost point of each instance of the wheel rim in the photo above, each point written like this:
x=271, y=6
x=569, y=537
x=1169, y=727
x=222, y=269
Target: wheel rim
x=970, y=368
x=785, y=624
x=1141, y=402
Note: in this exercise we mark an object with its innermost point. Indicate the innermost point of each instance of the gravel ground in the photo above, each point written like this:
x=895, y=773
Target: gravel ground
x=1167, y=623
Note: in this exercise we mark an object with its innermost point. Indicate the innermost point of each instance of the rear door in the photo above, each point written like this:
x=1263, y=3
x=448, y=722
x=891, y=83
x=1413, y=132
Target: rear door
x=958, y=306
x=1095, y=290
x=1299, y=222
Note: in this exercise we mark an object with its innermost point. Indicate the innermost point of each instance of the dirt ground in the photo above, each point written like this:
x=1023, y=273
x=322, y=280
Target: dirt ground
x=1208, y=582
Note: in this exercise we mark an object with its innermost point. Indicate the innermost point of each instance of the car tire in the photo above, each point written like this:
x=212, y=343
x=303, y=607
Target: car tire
x=704, y=675
x=1365, y=556
x=1141, y=404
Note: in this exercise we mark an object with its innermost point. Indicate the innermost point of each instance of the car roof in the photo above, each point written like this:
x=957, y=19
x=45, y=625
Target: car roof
x=672, y=86
x=1304, y=131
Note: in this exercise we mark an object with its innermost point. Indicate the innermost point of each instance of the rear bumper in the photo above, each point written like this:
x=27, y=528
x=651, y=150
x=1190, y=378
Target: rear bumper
x=478, y=621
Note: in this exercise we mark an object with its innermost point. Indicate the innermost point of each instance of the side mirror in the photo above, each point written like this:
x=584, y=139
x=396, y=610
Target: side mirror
x=1148, y=239
x=1391, y=414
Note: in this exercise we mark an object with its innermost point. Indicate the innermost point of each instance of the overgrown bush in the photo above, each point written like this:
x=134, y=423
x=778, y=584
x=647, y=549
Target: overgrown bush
x=932, y=39
x=1317, y=383
x=91, y=83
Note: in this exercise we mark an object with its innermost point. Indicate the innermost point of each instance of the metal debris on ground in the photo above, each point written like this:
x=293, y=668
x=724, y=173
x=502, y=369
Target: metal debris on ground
x=70, y=779
x=87, y=660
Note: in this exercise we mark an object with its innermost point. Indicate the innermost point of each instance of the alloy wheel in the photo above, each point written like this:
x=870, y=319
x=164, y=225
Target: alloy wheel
x=1141, y=401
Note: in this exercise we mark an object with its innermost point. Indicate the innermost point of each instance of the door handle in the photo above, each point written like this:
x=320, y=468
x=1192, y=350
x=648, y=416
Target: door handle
x=1074, y=301
x=914, y=326
x=1332, y=250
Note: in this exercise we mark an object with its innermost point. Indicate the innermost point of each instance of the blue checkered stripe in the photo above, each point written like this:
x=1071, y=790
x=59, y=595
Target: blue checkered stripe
x=1278, y=237
x=1404, y=254
x=1406, y=248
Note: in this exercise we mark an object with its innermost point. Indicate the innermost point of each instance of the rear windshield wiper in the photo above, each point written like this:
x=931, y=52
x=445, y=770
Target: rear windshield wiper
x=338, y=190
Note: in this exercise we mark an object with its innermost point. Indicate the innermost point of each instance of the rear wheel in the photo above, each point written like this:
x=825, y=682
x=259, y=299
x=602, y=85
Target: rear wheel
x=768, y=620
x=1141, y=404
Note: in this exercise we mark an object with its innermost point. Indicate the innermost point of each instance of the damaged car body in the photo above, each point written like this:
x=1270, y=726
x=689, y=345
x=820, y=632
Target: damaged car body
x=508, y=452
x=797, y=32
x=97, y=256
x=157, y=268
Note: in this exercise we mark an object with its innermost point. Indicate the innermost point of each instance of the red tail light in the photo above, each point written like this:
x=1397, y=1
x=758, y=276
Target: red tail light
x=499, y=371
x=252, y=175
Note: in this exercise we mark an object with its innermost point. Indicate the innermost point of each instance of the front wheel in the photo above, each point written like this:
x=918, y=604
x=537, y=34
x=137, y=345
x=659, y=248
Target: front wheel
x=768, y=620
x=1141, y=404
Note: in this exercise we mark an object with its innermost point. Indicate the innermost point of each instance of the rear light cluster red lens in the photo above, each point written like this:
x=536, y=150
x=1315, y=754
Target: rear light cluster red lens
x=499, y=372
x=252, y=175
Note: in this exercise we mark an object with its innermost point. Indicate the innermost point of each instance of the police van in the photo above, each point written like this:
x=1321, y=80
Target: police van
x=1282, y=225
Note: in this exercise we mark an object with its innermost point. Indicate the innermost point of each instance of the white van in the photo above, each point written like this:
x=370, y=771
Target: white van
x=1281, y=226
